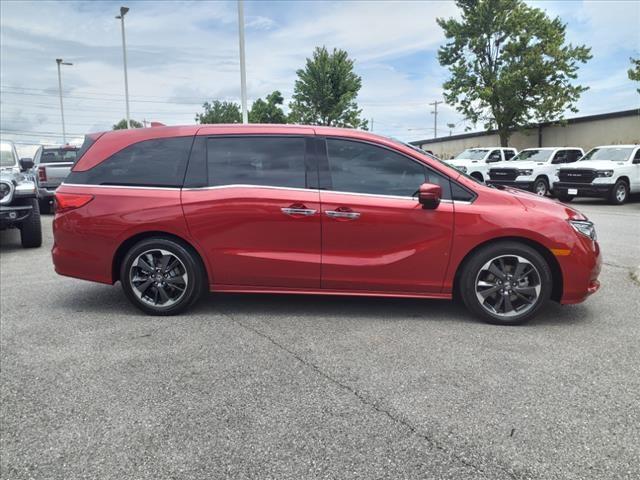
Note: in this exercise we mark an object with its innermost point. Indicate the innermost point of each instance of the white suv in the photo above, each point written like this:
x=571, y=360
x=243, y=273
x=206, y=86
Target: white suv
x=611, y=171
x=475, y=161
x=533, y=169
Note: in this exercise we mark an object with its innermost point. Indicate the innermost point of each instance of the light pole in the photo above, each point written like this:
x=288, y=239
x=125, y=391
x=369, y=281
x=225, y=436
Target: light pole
x=243, y=74
x=59, y=61
x=123, y=12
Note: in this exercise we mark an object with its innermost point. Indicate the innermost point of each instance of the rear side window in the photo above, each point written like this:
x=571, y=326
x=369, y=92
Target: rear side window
x=152, y=163
x=266, y=161
x=363, y=168
x=86, y=144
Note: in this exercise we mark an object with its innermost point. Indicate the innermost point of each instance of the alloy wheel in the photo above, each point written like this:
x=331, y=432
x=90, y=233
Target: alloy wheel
x=158, y=277
x=541, y=189
x=621, y=193
x=508, y=285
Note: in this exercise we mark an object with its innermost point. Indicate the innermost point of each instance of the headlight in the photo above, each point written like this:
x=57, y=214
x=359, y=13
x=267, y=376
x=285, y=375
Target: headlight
x=6, y=191
x=604, y=173
x=584, y=227
x=526, y=171
x=462, y=169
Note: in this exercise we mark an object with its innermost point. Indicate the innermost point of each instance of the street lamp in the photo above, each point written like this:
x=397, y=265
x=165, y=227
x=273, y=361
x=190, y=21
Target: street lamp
x=59, y=61
x=123, y=12
x=243, y=74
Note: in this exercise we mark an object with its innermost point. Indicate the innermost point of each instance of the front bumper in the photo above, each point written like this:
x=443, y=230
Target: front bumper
x=584, y=189
x=521, y=184
x=10, y=215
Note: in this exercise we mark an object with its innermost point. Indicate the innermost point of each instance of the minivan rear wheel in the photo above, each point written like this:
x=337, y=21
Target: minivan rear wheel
x=506, y=283
x=161, y=276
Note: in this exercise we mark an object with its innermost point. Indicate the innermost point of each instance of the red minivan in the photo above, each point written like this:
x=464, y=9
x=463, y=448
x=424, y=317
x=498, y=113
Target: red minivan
x=172, y=212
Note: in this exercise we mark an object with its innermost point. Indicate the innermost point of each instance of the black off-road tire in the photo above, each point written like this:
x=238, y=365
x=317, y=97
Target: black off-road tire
x=471, y=270
x=564, y=198
x=197, y=283
x=31, y=228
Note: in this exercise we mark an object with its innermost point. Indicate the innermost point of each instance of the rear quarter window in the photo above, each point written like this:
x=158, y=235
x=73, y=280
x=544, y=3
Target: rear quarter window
x=152, y=163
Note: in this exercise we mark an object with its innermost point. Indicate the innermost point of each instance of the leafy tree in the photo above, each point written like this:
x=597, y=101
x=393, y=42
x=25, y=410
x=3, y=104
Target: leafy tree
x=509, y=65
x=219, y=112
x=634, y=71
x=122, y=124
x=269, y=111
x=326, y=90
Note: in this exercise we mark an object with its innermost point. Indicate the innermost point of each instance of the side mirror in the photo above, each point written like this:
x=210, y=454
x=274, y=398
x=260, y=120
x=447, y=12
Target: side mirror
x=26, y=164
x=429, y=196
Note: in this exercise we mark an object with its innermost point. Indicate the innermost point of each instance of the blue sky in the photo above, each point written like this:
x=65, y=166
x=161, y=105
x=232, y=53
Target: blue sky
x=183, y=53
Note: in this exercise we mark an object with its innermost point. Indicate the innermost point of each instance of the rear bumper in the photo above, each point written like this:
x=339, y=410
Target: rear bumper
x=522, y=185
x=13, y=214
x=584, y=189
x=46, y=193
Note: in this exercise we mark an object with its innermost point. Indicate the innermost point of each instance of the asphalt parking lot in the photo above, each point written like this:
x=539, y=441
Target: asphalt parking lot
x=293, y=387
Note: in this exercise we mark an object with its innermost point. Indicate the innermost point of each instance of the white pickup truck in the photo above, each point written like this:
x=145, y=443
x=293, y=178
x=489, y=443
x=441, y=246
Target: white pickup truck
x=475, y=161
x=52, y=164
x=533, y=169
x=610, y=171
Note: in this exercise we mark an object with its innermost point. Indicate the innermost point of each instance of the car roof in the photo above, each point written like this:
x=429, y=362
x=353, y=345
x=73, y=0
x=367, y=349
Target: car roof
x=617, y=146
x=551, y=148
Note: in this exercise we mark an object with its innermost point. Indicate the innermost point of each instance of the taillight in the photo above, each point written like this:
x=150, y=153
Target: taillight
x=71, y=201
x=42, y=174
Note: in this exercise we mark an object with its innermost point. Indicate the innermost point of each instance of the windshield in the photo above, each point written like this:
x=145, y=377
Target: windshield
x=533, y=155
x=613, y=154
x=472, y=154
x=7, y=159
x=56, y=155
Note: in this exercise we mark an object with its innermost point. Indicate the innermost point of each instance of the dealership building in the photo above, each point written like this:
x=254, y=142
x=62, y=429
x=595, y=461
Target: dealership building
x=586, y=132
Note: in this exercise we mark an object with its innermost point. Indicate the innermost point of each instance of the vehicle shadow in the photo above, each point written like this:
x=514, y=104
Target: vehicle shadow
x=10, y=240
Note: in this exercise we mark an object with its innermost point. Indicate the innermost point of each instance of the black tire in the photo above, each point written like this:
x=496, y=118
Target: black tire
x=564, y=198
x=189, y=262
x=45, y=206
x=541, y=185
x=478, y=176
x=31, y=228
x=472, y=271
x=619, y=194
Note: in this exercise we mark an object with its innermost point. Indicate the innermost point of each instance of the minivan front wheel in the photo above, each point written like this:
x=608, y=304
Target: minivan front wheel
x=161, y=276
x=506, y=283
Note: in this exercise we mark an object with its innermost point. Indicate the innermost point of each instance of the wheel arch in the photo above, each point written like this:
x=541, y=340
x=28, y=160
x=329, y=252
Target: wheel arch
x=556, y=271
x=478, y=175
x=132, y=240
x=625, y=179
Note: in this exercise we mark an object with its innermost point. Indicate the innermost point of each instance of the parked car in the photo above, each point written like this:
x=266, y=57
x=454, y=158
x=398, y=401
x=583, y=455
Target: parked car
x=52, y=165
x=18, y=197
x=611, y=171
x=171, y=212
x=475, y=161
x=533, y=169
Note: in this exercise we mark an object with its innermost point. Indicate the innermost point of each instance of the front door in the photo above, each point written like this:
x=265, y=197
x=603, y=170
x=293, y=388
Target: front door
x=375, y=234
x=258, y=217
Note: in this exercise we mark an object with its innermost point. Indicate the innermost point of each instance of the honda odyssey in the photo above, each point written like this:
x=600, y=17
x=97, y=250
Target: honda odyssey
x=173, y=212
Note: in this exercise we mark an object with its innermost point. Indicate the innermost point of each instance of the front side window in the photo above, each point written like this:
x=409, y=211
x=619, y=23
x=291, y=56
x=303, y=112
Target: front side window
x=494, y=156
x=152, y=163
x=364, y=168
x=509, y=154
x=267, y=161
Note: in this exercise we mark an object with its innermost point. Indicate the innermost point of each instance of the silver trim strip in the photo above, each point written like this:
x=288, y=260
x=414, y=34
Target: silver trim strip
x=130, y=187
x=298, y=211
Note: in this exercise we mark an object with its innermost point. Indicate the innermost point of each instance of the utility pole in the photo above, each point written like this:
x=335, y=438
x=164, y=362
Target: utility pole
x=435, y=116
x=64, y=132
x=243, y=73
x=371, y=124
x=123, y=12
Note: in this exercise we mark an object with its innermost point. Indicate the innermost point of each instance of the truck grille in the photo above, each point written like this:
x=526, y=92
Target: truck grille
x=503, y=174
x=576, y=175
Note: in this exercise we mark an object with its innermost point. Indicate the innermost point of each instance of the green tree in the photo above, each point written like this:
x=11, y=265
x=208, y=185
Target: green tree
x=219, y=112
x=122, y=124
x=326, y=90
x=509, y=65
x=634, y=71
x=269, y=111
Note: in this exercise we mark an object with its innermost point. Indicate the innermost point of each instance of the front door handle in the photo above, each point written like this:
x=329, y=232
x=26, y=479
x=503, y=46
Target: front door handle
x=343, y=214
x=298, y=212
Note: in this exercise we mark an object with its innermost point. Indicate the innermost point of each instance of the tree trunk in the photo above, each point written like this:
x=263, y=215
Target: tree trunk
x=504, y=138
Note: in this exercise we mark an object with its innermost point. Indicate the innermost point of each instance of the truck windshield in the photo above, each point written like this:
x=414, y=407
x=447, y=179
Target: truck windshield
x=58, y=155
x=613, y=154
x=534, y=155
x=6, y=155
x=472, y=154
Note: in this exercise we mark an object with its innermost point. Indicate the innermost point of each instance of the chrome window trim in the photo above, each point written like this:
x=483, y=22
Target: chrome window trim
x=135, y=187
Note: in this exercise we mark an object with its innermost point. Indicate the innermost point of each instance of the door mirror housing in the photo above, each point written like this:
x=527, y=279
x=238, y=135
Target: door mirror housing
x=429, y=195
x=26, y=164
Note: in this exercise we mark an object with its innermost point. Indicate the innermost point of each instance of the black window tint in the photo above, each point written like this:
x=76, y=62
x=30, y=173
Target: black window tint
x=443, y=181
x=269, y=161
x=460, y=193
x=509, y=154
x=637, y=155
x=363, y=168
x=151, y=163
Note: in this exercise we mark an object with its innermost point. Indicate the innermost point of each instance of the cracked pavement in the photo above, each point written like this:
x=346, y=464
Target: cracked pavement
x=279, y=387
